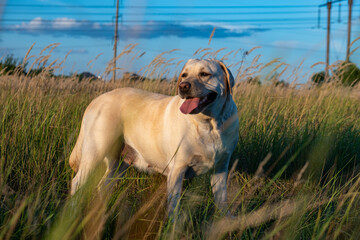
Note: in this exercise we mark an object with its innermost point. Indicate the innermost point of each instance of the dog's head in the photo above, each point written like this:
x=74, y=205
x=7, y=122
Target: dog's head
x=203, y=82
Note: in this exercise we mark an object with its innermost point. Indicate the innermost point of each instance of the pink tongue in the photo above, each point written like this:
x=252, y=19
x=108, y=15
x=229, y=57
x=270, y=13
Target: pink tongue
x=189, y=105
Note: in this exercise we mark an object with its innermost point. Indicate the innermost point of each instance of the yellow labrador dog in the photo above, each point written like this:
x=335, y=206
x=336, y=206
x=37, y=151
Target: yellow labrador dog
x=179, y=136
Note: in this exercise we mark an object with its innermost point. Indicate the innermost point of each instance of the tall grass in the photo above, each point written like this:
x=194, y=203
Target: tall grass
x=295, y=171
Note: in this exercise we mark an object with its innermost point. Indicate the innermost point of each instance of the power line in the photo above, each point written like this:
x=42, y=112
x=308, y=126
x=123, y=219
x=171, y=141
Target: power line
x=56, y=6
x=158, y=7
x=215, y=12
x=166, y=13
x=60, y=46
x=167, y=21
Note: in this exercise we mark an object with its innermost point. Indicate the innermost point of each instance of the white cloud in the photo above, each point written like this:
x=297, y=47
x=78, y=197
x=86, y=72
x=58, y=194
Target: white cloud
x=36, y=23
x=229, y=27
x=39, y=23
x=65, y=23
x=153, y=29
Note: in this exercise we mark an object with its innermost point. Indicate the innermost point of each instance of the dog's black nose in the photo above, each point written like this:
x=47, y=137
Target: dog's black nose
x=184, y=87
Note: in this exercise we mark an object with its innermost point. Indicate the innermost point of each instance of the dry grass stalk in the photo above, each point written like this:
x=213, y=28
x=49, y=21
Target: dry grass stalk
x=260, y=171
x=126, y=51
x=276, y=60
x=215, y=54
x=93, y=60
x=61, y=66
x=232, y=170
x=201, y=50
x=253, y=49
x=301, y=173
x=27, y=54
x=211, y=35
x=53, y=46
x=354, y=41
x=318, y=63
x=253, y=219
x=237, y=51
x=225, y=57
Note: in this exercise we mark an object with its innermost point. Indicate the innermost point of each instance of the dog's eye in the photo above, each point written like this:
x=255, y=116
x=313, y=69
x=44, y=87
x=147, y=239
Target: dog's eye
x=184, y=75
x=204, y=74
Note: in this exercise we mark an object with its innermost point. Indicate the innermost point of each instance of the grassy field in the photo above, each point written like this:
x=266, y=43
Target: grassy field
x=294, y=174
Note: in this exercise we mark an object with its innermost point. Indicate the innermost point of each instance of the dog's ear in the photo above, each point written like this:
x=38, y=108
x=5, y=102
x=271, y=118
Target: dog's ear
x=229, y=81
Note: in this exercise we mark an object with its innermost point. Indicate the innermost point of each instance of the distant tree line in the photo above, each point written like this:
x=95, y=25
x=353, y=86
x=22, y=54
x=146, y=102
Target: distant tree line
x=9, y=65
x=347, y=73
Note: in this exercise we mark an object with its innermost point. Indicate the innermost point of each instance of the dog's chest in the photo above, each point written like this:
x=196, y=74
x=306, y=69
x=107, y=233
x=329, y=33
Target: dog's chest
x=206, y=149
x=209, y=136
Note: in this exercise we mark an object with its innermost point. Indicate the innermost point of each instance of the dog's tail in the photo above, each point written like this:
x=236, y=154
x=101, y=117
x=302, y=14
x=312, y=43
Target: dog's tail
x=75, y=156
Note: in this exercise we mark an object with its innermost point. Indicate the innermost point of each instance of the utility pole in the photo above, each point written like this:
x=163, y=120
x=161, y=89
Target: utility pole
x=328, y=41
x=115, y=40
x=349, y=31
x=328, y=4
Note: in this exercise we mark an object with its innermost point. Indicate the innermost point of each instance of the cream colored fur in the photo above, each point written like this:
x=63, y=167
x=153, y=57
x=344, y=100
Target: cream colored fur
x=162, y=138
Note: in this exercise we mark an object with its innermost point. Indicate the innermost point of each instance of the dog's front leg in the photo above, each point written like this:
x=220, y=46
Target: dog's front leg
x=219, y=183
x=174, y=187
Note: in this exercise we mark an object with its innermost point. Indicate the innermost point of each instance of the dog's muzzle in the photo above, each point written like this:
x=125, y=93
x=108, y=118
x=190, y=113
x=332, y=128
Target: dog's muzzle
x=194, y=105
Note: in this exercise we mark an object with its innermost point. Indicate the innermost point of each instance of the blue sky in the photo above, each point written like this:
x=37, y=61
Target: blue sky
x=283, y=29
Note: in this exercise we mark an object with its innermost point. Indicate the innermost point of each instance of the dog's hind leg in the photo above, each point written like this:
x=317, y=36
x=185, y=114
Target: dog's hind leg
x=75, y=159
x=117, y=162
x=101, y=140
x=91, y=157
x=115, y=166
x=75, y=156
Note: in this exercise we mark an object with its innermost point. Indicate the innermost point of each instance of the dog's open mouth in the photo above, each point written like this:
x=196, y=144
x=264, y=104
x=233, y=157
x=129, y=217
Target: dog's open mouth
x=194, y=105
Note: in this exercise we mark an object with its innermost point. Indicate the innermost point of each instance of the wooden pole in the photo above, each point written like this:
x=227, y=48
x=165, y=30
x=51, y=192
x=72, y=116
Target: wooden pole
x=328, y=42
x=115, y=40
x=349, y=32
